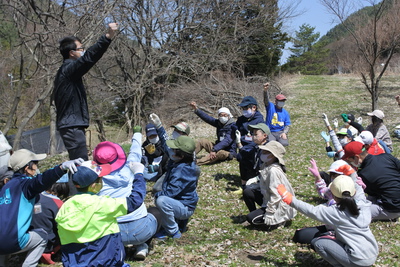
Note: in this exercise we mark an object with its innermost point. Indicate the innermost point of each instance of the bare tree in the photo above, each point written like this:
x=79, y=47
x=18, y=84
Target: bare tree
x=374, y=35
x=164, y=46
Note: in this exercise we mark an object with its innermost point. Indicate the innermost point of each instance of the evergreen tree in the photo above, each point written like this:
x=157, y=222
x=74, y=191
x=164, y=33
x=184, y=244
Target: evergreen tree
x=309, y=55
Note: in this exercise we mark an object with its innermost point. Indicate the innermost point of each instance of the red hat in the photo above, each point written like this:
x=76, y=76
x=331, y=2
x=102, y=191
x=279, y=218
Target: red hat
x=280, y=97
x=109, y=153
x=352, y=149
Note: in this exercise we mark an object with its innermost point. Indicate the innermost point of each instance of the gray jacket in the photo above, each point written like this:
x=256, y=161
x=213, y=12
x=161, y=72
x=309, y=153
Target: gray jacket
x=351, y=230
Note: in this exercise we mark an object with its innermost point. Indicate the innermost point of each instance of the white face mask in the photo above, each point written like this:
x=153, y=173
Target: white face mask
x=266, y=157
x=154, y=140
x=82, y=53
x=223, y=120
x=280, y=104
x=173, y=156
x=175, y=135
x=343, y=141
x=248, y=113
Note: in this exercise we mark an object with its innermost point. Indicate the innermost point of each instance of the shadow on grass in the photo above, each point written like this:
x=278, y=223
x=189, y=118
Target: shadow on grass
x=233, y=181
x=309, y=258
x=304, y=259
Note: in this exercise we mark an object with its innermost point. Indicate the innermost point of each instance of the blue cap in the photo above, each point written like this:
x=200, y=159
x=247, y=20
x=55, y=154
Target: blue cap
x=150, y=129
x=248, y=100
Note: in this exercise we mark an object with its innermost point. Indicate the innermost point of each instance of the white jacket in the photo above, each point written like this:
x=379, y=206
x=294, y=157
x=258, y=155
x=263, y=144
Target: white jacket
x=276, y=210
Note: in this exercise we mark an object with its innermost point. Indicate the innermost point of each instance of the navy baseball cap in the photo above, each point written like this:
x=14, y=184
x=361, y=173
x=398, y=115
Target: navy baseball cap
x=150, y=129
x=248, y=100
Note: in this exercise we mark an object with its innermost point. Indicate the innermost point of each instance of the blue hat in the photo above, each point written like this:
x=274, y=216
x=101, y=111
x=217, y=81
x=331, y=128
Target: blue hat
x=150, y=129
x=248, y=100
x=88, y=172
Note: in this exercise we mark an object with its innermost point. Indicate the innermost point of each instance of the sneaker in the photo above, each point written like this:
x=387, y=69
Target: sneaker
x=141, y=251
x=162, y=235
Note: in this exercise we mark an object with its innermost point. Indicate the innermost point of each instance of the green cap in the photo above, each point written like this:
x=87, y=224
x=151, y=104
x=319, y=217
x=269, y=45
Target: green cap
x=184, y=143
x=262, y=126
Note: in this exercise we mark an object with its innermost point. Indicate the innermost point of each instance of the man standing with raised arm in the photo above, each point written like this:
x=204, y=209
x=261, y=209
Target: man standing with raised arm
x=69, y=92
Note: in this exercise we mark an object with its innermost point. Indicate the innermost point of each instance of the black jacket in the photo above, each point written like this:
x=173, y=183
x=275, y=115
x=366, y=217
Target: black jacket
x=69, y=92
x=381, y=175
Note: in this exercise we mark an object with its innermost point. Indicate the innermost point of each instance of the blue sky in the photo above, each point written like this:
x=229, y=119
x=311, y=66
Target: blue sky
x=316, y=15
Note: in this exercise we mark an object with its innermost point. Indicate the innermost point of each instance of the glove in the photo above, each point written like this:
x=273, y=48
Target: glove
x=345, y=118
x=150, y=148
x=361, y=183
x=331, y=154
x=154, y=119
x=136, y=167
x=325, y=118
x=359, y=120
x=71, y=165
x=137, y=129
x=153, y=168
x=238, y=136
x=335, y=123
x=326, y=136
x=314, y=168
x=286, y=196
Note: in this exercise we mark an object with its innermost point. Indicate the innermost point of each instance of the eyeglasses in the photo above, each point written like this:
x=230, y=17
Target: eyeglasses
x=79, y=48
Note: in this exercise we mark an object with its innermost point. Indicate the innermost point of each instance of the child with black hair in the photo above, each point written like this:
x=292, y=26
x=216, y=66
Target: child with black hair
x=44, y=216
x=353, y=243
x=178, y=198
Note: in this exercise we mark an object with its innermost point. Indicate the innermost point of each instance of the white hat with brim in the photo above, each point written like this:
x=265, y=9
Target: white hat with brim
x=276, y=149
x=377, y=113
x=341, y=184
x=22, y=157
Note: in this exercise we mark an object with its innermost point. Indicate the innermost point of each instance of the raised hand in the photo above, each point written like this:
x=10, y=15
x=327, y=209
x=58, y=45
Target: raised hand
x=154, y=119
x=326, y=136
x=70, y=165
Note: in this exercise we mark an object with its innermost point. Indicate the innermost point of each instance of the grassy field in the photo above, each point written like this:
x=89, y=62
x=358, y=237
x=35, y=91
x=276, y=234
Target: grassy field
x=216, y=235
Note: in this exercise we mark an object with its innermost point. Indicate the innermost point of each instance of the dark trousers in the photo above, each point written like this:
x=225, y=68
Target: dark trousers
x=252, y=197
x=75, y=142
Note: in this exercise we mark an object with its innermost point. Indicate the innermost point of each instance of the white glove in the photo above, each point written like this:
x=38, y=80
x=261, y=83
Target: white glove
x=359, y=120
x=136, y=167
x=335, y=123
x=325, y=118
x=238, y=136
x=71, y=165
x=154, y=119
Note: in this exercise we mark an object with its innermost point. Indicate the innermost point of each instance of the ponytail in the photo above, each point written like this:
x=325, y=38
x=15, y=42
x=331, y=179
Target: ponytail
x=347, y=202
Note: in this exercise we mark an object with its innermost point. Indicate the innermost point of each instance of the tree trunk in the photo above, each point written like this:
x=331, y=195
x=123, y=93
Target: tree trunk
x=31, y=113
x=53, y=138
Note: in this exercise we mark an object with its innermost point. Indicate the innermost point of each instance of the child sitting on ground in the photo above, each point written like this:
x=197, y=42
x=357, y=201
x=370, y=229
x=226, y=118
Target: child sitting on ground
x=44, y=216
x=352, y=243
x=87, y=223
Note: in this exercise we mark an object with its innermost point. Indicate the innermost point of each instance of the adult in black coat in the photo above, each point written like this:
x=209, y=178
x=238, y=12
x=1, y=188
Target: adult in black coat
x=69, y=93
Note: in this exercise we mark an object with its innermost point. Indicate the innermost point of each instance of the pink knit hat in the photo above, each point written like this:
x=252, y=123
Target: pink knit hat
x=109, y=153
